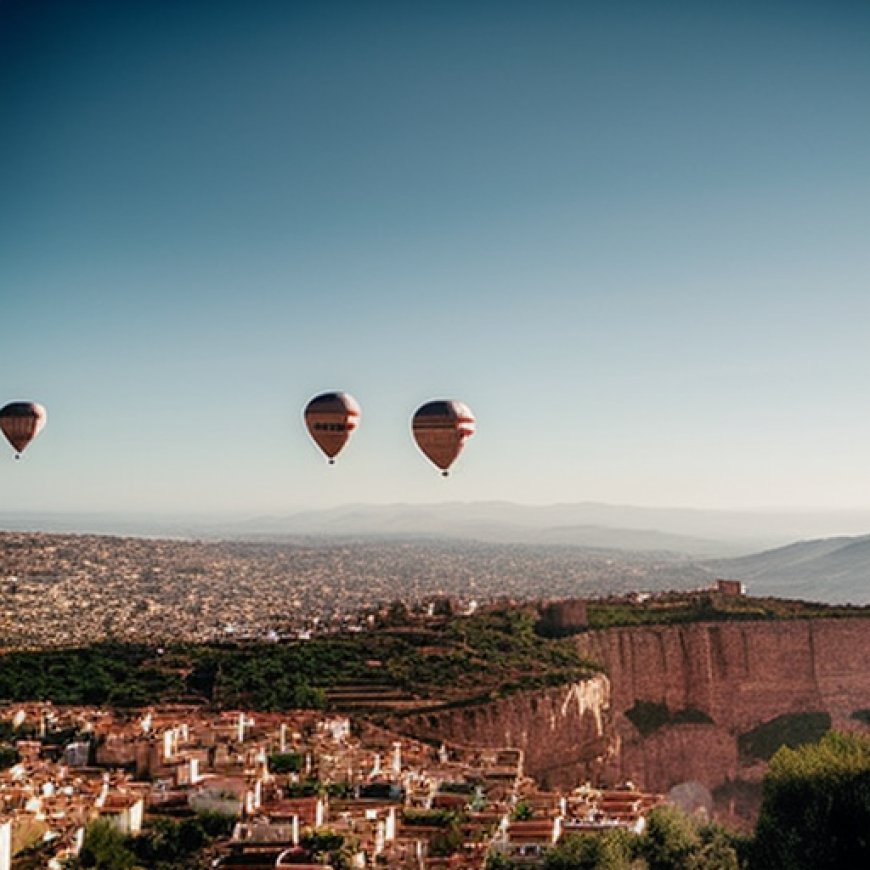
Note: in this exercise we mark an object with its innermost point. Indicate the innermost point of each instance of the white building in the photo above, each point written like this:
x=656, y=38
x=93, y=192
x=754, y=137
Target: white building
x=5, y=845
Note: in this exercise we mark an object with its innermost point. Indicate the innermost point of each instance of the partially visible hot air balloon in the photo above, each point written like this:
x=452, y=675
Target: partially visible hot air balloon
x=21, y=422
x=441, y=429
x=330, y=418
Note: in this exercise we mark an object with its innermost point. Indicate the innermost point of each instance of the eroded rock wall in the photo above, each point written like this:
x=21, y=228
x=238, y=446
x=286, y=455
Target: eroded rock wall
x=565, y=733
x=738, y=674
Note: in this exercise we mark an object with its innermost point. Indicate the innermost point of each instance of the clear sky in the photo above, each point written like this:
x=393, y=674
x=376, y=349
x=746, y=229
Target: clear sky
x=633, y=237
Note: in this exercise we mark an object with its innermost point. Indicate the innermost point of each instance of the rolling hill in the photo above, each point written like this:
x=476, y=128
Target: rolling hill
x=835, y=570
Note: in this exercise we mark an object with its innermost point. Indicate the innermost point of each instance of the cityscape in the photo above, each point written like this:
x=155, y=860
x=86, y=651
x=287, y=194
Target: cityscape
x=58, y=590
x=385, y=799
x=433, y=435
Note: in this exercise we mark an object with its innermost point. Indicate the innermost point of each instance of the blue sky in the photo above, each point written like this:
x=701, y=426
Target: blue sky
x=633, y=237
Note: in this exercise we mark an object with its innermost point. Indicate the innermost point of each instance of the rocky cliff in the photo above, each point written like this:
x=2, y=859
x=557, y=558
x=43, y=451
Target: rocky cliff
x=726, y=681
x=739, y=673
x=565, y=733
x=705, y=702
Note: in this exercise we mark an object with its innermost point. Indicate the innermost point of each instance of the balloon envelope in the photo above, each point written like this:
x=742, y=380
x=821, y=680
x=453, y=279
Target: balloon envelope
x=21, y=422
x=441, y=429
x=331, y=418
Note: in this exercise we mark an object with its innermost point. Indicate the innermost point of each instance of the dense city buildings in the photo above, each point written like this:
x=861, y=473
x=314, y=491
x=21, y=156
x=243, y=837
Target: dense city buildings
x=294, y=784
x=62, y=590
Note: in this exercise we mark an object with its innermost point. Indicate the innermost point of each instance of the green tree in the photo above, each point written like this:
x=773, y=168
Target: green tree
x=191, y=836
x=497, y=861
x=286, y=762
x=670, y=840
x=159, y=844
x=216, y=824
x=331, y=847
x=815, y=810
x=8, y=757
x=105, y=848
x=522, y=812
x=720, y=849
x=447, y=841
x=612, y=850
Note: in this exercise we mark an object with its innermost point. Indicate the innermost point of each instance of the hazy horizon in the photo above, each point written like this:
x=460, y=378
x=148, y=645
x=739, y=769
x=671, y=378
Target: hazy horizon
x=692, y=531
x=632, y=238
x=290, y=509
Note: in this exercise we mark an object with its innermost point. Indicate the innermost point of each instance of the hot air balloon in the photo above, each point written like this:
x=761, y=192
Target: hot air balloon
x=441, y=429
x=21, y=422
x=330, y=418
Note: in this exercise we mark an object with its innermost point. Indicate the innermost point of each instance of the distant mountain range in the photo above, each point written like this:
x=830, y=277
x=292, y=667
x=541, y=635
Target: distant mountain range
x=835, y=570
x=698, y=533
x=498, y=523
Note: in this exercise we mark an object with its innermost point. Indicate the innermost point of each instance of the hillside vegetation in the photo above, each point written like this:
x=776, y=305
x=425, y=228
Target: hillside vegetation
x=683, y=607
x=408, y=662
x=441, y=660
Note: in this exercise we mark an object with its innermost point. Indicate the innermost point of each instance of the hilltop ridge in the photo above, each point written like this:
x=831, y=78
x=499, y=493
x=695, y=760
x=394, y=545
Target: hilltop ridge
x=835, y=569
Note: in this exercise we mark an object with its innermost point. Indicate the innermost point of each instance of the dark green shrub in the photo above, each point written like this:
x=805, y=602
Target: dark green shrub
x=286, y=762
x=8, y=757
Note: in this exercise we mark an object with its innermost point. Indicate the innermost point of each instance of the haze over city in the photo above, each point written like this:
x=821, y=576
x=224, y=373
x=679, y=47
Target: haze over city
x=632, y=238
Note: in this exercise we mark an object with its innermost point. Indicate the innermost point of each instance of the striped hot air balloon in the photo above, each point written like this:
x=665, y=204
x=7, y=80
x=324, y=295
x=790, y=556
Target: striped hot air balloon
x=331, y=418
x=441, y=429
x=21, y=422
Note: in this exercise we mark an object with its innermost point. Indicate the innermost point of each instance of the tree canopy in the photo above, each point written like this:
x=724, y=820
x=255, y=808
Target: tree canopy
x=815, y=811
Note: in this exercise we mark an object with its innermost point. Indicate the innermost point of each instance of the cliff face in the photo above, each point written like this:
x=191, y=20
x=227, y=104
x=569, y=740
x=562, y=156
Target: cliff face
x=738, y=676
x=725, y=678
x=740, y=673
x=565, y=733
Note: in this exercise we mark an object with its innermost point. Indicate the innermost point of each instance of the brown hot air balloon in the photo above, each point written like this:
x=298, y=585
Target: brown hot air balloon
x=21, y=422
x=330, y=418
x=441, y=429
